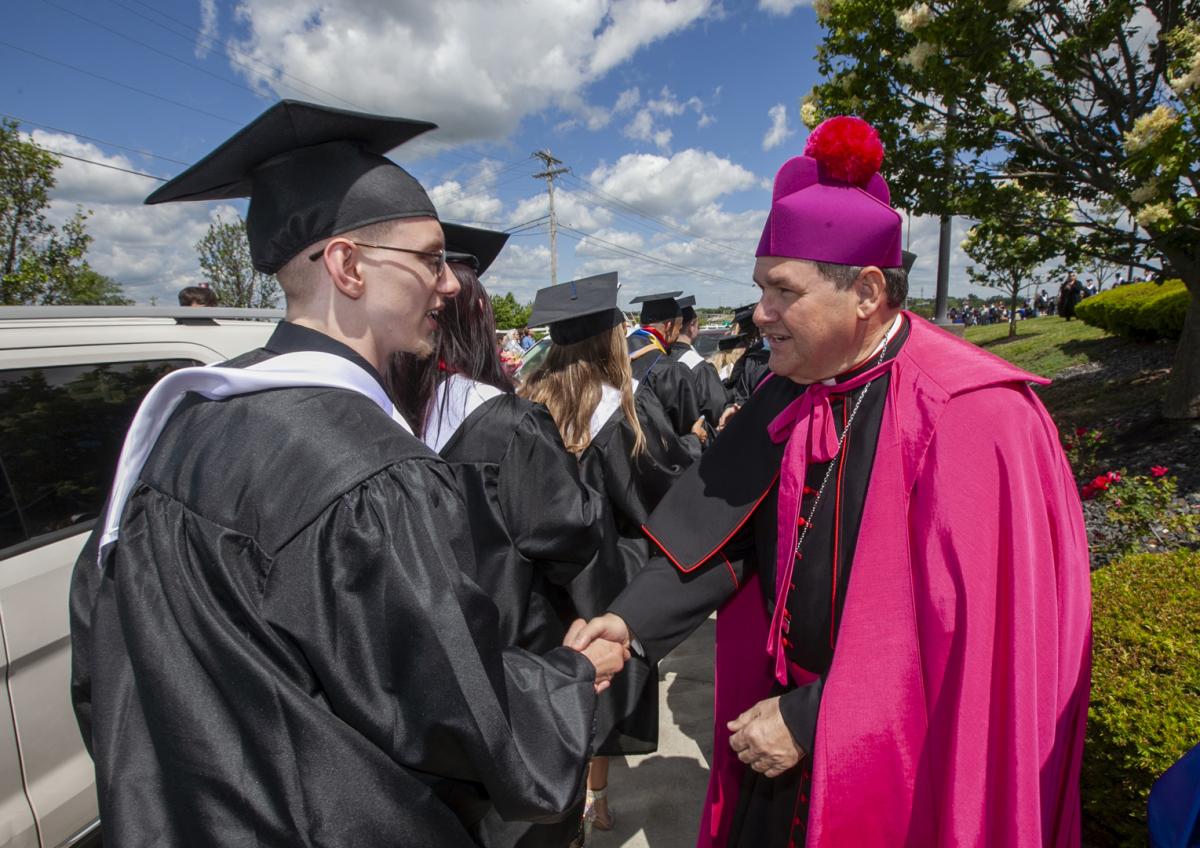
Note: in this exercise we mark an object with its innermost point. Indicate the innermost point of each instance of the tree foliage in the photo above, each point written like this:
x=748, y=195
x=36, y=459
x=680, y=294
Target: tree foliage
x=224, y=255
x=42, y=263
x=1011, y=259
x=510, y=315
x=1092, y=101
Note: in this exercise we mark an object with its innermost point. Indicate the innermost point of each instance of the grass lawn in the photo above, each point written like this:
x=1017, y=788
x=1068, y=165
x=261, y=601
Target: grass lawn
x=1047, y=345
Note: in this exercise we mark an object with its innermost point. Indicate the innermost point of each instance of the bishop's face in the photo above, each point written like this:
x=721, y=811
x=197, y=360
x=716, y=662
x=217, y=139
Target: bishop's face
x=813, y=327
x=407, y=290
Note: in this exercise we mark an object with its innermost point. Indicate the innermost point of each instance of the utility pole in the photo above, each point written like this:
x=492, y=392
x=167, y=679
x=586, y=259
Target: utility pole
x=548, y=175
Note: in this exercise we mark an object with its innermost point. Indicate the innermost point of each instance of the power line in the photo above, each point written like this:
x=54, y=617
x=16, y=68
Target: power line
x=154, y=49
x=629, y=252
x=104, y=165
x=118, y=83
x=96, y=140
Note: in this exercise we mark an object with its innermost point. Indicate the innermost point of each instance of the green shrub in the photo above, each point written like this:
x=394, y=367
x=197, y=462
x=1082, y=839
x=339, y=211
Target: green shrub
x=1145, y=708
x=1143, y=311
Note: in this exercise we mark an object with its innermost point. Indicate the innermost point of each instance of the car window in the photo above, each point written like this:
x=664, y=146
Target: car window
x=61, y=430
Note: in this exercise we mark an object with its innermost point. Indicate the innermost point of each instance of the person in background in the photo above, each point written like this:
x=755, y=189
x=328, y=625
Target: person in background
x=197, y=296
x=655, y=371
x=627, y=449
x=526, y=339
x=710, y=392
x=535, y=557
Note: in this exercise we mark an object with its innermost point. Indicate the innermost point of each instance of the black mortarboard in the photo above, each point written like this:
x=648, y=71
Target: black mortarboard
x=473, y=246
x=909, y=259
x=579, y=309
x=732, y=342
x=658, y=307
x=687, y=307
x=744, y=315
x=310, y=172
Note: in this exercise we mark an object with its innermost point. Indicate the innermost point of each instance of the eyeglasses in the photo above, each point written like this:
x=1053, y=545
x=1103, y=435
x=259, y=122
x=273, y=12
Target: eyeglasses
x=438, y=256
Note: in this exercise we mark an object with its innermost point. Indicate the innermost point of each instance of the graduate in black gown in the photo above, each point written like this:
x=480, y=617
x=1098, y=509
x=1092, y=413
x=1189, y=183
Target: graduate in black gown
x=710, y=391
x=657, y=372
x=274, y=642
x=751, y=367
x=535, y=526
x=628, y=450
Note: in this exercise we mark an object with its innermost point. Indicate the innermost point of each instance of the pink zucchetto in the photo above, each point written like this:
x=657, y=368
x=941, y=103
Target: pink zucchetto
x=831, y=204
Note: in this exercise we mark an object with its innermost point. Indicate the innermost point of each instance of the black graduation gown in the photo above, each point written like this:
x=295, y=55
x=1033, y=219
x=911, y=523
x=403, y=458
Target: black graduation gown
x=671, y=382
x=535, y=526
x=283, y=650
x=711, y=394
x=536, y=529
x=747, y=373
x=634, y=486
x=719, y=524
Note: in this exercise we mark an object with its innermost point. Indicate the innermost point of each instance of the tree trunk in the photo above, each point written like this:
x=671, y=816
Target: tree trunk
x=1015, y=288
x=1183, y=391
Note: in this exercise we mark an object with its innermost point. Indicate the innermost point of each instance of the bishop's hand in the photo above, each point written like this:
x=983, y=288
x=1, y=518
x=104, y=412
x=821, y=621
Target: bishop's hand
x=608, y=655
x=762, y=741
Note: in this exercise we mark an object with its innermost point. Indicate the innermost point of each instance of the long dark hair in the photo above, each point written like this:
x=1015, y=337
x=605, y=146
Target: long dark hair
x=465, y=344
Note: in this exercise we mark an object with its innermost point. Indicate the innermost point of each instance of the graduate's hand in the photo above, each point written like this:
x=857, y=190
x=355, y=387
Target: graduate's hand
x=729, y=412
x=608, y=658
x=699, y=430
x=762, y=741
x=607, y=626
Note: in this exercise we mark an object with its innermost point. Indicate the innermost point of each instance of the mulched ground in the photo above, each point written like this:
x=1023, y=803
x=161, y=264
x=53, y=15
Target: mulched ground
x=1127, y=383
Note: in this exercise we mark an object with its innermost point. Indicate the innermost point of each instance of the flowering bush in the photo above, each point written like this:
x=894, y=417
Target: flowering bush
x=1141, y=509
x=1081, y=447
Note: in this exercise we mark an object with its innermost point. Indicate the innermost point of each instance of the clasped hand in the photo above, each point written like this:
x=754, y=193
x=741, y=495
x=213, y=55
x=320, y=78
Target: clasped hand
x=607, y=654
x=762, y=741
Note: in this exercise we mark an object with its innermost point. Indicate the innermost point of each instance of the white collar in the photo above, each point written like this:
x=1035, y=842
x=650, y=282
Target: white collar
x=457, y=397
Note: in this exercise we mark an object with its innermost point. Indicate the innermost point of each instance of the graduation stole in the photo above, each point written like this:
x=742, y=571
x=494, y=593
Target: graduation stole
x=303, y=369
x=656, y=341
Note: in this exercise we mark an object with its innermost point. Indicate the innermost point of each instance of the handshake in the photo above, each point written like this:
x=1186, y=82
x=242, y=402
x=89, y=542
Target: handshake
x=605, y=642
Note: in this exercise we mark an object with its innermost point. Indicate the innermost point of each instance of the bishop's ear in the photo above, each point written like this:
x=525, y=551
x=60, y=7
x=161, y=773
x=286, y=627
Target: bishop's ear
x=871, y=290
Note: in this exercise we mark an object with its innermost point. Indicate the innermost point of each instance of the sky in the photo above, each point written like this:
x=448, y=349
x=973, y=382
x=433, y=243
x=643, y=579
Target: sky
x=671, y=116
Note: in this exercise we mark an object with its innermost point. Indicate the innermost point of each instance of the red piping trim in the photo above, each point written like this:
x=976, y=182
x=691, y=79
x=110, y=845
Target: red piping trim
x=732, y=573
x=687, y=569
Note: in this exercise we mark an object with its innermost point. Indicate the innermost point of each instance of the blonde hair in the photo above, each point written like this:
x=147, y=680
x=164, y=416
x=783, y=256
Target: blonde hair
x=568, y=384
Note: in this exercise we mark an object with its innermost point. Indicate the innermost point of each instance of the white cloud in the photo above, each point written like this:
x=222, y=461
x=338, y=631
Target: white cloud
x=677, y=186
x=474, y=68
x=644, y=125
x=627, y=100
x=779, y=130
x=208, y=28
x=475, y=204
x=782, y=7
x=90, y=183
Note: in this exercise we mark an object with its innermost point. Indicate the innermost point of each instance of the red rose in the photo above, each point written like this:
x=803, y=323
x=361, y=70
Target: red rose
x=1102, y=483
x=1159, y=470
x=1081, y=431
x=1114, y=476
x=1089, y=491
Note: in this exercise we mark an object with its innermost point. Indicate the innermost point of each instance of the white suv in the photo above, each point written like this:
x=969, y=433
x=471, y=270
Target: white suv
x=70, y=381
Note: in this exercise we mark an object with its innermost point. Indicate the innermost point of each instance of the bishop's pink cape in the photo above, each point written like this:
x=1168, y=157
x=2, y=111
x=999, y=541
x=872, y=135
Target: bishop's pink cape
x=954, y=710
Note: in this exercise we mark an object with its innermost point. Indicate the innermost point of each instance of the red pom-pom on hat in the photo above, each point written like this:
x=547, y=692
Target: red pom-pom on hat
x=847, y=148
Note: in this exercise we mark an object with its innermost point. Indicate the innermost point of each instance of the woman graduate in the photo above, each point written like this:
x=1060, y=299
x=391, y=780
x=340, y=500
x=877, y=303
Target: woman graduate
x=534, y=525
x=627, y=449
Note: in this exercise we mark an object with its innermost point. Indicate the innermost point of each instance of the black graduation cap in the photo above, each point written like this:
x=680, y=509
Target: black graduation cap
x=473, y=246
x=744, y=315
x=731, y=342
x=687, y=307
x=658, y=307
x=579, y=309
x=909, y=259
x=310, y=172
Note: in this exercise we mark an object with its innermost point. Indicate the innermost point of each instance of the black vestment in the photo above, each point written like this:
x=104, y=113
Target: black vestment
x=719, y=525
x=711, y=394
x=283, y=649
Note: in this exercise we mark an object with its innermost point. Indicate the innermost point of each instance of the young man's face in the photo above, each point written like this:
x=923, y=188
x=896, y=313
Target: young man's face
x=406, y=290
x=811, y=325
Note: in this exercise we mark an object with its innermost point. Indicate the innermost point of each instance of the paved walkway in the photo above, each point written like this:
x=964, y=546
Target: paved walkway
x=658, y=797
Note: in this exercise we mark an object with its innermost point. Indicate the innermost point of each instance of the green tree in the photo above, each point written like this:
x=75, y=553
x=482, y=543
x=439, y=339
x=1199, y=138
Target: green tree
x=1010, y=258
x=1094, y=101
x=224, y=254
x=42, y=263
x=510, y=315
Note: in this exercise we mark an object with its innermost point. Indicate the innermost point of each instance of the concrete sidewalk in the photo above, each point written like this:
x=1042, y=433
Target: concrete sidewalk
x=657, y=798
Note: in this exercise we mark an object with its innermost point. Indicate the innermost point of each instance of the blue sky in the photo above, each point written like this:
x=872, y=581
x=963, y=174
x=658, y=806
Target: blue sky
x=672, y=115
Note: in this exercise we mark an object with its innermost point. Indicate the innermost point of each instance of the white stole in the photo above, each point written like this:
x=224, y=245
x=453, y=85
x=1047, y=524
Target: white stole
x=457, y=397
